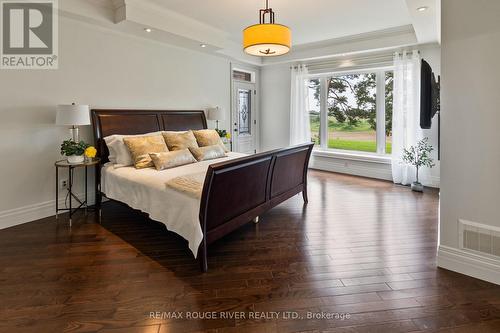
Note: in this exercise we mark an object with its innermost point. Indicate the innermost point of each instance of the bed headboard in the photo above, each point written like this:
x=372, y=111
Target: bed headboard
x=109, y=122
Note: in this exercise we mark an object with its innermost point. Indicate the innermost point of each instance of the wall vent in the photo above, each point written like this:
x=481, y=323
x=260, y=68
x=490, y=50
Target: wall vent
x=478, y=237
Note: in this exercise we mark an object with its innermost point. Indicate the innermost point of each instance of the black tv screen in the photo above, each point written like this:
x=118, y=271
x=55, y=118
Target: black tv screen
x=426, y=96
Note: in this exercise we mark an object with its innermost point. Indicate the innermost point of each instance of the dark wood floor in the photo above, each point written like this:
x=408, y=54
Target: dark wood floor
x=361, y=247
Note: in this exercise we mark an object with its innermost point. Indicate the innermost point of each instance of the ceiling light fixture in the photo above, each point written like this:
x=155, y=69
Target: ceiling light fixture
x=148, y=29
x=267, y=39
x=203, y=45
x=422, y=9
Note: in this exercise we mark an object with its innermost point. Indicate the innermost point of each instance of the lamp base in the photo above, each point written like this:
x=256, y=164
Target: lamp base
x=75, y=133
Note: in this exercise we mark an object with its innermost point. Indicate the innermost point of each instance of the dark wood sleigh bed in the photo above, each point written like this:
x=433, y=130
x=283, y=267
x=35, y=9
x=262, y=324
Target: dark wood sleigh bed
x=235, y=192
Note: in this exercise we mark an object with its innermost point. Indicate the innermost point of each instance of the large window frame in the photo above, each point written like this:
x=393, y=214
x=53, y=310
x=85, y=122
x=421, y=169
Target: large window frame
x=380, y=108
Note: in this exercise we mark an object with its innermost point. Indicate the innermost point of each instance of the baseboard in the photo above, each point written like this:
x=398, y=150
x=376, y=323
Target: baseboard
x=434, y=182
x=468, y=263
x=16, y=216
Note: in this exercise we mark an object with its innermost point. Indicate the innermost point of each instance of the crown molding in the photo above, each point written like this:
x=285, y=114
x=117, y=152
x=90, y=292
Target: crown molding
x=404, y=30
x=159, y=18
x=427, y=24
x=90, y=11
x=380, y=40
x=130, y=17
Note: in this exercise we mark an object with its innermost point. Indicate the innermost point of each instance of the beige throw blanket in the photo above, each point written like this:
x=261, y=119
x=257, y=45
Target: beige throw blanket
x=191, y=185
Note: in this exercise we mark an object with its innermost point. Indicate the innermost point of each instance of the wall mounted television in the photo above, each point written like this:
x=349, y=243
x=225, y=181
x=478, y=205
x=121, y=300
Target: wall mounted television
x=430, y=103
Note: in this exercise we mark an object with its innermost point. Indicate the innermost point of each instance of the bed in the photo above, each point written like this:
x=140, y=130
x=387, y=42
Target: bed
x=255, y=183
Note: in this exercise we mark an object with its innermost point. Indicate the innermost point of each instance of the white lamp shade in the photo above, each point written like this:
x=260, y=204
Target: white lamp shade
x=216, y=114
x=73, y=115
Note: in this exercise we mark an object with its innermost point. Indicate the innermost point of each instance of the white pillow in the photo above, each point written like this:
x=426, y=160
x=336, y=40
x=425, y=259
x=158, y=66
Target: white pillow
x=119, y=154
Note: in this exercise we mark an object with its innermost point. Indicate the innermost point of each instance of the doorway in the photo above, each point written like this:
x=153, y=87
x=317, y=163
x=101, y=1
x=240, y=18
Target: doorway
x=244, y=117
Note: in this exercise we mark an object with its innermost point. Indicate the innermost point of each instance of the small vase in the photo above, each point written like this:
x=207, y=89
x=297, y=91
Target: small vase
x=75, y=159
x=417, y=187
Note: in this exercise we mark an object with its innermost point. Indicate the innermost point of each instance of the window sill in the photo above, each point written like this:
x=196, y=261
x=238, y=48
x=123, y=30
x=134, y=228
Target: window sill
x=353, y=156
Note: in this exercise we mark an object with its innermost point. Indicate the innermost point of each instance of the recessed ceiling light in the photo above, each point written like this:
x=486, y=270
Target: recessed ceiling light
x=422, y=9
x=203, y=45
x=148, y=29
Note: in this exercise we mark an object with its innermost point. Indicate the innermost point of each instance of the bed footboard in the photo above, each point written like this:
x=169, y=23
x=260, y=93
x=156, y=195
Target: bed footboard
x=237, y=191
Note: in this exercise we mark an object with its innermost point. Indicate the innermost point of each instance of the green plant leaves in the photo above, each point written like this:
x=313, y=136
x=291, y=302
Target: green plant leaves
x=419, y=155
x=70, y=147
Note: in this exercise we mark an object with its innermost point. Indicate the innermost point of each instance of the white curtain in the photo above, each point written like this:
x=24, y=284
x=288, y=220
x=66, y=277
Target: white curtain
x=406, y=116
x=300, y=130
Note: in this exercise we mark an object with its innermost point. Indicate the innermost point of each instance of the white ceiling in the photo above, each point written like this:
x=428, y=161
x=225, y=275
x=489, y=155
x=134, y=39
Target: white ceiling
x=320, y=28
x=310, y=20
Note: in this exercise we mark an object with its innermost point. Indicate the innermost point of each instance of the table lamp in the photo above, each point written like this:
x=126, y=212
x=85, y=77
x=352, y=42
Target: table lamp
x=73, y=115
x=216, y=114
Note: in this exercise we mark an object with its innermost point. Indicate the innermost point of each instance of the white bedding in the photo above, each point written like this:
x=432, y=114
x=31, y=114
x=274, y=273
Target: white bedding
x=146, y=190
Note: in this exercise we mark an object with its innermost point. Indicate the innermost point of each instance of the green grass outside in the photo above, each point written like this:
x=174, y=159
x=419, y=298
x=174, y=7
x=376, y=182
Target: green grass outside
x=363, y=126
x=367, y=146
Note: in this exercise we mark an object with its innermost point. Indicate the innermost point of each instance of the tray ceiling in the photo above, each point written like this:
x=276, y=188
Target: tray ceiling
x=311, y=21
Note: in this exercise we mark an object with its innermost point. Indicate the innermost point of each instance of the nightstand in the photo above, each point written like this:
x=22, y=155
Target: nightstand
x=71, y=169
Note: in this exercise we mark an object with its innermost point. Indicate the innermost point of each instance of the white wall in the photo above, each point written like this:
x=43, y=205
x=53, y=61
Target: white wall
x=275, y=107
x=106, y=70
x=275, y=130
x=432, y=54
x=470, y=180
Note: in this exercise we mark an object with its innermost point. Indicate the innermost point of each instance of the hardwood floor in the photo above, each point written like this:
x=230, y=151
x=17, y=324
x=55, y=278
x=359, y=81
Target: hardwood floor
x=362, y=248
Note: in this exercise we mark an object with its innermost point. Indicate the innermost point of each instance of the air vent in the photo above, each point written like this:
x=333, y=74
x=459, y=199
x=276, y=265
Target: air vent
x=479, y=238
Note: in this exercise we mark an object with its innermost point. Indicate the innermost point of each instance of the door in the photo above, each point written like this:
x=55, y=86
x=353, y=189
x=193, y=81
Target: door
x=243, y=118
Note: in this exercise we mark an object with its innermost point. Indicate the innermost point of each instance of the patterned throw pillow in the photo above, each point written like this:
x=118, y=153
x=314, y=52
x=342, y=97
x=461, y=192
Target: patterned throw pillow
x=208, y=152
x=172, y=159
x=208, y=137
x=141, y=147
x=180, y=140
x=119, y=154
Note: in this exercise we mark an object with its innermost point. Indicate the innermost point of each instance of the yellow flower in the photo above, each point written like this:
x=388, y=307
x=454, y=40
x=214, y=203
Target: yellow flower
x=90, y=152
x=228, y=135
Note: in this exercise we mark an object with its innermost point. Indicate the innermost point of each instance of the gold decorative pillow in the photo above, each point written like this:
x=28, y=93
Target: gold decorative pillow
x=172, y=159
x=208, y=152
x=141, y=147
x=180, y=140
x=208, y=137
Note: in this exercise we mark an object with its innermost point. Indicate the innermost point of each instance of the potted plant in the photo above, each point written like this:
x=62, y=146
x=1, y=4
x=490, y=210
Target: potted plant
x=224, y=135
x=419, y=156
x=74, y=151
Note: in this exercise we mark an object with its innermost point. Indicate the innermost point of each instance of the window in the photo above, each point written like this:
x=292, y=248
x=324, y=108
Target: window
x=346, y=112
x=245, y=101
x=314, y=110
x=389, y=88
x=242, y=76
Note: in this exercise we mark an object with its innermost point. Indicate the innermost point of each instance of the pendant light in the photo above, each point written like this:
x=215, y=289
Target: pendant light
x=267, y=39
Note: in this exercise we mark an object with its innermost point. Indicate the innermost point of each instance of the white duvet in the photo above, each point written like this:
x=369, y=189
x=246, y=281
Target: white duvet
x=146, y=190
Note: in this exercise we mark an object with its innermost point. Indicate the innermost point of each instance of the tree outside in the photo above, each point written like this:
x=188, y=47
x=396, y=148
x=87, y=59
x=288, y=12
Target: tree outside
x=351, y=111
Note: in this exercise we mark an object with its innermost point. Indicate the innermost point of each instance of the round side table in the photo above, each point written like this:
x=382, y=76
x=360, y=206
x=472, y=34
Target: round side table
x=71, y=168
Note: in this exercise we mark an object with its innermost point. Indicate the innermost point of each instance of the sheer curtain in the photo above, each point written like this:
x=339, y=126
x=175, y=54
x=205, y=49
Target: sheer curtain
x=406, y=114
x=300, y=130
